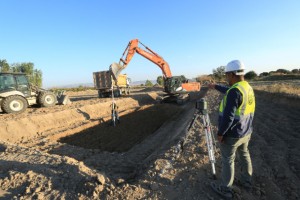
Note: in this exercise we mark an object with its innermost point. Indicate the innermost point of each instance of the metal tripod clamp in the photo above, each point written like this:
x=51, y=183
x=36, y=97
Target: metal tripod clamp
x=201, y=106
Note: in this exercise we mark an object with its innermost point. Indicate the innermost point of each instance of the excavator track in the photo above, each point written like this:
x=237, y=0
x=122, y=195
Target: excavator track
x=174, y=98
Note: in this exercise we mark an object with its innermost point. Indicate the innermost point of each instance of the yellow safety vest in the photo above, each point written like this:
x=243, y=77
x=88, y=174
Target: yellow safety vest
x=247, y=107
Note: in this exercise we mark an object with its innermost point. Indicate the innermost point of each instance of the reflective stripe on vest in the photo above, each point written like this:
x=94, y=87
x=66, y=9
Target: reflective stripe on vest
x=248, y=103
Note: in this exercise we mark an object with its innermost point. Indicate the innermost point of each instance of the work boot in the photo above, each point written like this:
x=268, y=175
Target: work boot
x=247, y=185
x=222, y=190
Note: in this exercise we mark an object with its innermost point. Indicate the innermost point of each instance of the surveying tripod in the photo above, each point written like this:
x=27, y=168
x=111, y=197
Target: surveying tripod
x=114, y=109
x=201, y=113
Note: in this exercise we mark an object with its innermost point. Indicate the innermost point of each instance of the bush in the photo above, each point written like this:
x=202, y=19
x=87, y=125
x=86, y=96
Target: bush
x=283, y=71
x=295, y=71
x=160, y=80
x=219, y=73
x=250, y=75
x=204, y=78
x=264, y=74
x=148, y=83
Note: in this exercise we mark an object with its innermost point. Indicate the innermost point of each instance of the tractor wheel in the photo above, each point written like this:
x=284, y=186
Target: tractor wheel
x=14, y=104
x=47, y=99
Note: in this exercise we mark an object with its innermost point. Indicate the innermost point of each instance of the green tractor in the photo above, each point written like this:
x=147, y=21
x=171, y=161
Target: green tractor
x=16, y=93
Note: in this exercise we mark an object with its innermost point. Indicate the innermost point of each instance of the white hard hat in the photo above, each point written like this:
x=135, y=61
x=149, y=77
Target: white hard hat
x=235, y=66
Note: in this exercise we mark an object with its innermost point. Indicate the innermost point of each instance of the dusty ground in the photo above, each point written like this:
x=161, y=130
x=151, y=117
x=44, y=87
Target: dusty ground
x=72, y=152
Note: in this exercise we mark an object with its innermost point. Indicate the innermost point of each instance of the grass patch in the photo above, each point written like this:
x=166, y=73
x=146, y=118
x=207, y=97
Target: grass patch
x=279, y=77
x=280, y=88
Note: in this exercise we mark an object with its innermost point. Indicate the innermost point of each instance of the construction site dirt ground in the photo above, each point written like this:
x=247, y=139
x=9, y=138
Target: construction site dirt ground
x=72, y=151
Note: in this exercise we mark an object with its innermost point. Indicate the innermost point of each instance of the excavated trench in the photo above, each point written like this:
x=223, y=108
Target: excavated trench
x=133, y=128
x=136, y=124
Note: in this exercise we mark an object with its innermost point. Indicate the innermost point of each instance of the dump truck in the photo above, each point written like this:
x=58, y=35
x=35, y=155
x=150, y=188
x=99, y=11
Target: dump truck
x=16, y=94
x=106, y=84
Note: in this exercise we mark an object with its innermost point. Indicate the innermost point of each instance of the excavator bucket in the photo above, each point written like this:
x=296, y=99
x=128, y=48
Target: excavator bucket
x=63, y=99
x=115, y=70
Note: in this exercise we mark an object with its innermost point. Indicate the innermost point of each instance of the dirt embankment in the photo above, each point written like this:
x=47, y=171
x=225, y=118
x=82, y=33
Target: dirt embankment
x=75, y=154
x=85, y=108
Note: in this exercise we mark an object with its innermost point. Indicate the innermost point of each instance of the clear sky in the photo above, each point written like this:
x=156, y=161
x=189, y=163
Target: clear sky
x=70, y=39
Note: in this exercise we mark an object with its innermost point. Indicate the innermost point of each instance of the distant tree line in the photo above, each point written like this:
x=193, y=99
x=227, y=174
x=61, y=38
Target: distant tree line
x=252, y=74
x=219, y=74
x=35, y=75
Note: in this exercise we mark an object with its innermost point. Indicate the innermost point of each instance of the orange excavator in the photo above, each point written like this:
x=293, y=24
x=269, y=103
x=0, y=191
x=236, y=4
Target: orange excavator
x=176, y=87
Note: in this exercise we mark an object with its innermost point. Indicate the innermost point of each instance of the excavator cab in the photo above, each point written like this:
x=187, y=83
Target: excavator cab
x=173, y=84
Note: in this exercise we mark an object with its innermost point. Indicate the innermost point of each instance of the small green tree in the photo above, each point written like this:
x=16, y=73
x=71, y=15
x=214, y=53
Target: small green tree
x=160, y=80
x=148, y=83
x=4, y=66
x=219, y=73
x=295, y=71
x=35, y=75
x=250, y=75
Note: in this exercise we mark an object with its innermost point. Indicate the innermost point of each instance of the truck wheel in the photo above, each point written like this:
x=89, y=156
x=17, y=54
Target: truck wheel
x=14, y=104
x=117, y=93
x=47, y=99
x=100, y=94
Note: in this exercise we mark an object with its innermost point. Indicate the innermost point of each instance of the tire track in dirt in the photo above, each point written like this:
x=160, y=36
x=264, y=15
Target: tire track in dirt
x=275, y=146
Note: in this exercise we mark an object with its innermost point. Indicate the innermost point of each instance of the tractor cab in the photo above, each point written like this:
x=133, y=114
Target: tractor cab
x=14, y=82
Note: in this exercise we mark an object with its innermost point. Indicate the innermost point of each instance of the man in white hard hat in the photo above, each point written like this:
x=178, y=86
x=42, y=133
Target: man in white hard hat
x=236, y=114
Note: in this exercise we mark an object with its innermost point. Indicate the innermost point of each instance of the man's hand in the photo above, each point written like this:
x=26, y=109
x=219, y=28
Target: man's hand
x=220, y=138
x=211, y=86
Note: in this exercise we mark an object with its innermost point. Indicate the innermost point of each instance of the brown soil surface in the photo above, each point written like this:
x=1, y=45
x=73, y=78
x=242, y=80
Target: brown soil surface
x=72, y=151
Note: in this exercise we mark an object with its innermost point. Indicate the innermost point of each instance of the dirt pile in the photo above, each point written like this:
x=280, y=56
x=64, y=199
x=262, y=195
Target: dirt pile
x=29, y=174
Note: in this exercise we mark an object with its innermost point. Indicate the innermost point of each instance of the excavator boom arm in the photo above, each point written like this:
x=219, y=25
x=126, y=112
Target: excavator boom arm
x=133, y=48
